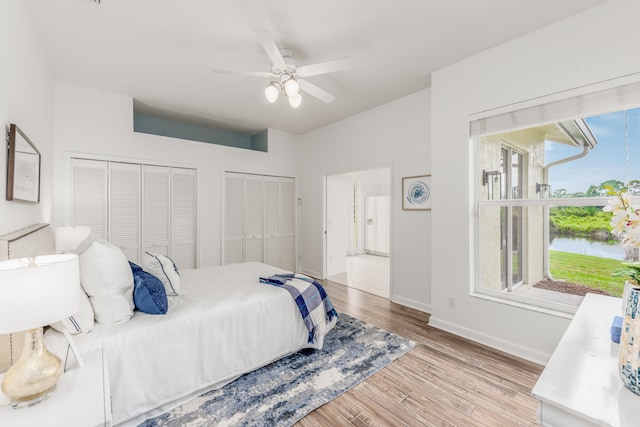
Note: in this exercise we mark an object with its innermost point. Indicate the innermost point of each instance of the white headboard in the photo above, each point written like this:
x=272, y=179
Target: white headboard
x=38, y=239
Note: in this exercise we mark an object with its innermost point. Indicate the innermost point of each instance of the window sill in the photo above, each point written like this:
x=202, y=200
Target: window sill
x=545, y=307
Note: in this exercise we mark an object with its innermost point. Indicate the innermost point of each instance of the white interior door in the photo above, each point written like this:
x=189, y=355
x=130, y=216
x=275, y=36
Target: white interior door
x=272, y=221
x=234, y=218
x=184, y=218
x=124, y=208
x=89, y=195
x=288, y=224
x=156, y=188
x=254, y=217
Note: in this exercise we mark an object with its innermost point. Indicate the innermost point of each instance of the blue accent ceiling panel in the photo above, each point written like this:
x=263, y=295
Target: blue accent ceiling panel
x=162, y=126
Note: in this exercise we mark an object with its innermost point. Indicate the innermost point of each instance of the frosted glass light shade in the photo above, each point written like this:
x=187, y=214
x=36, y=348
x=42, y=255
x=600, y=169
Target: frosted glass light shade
x=271, y=93
x=295, y=100
x=69, y=238
x=39, y=293
x=291, y=87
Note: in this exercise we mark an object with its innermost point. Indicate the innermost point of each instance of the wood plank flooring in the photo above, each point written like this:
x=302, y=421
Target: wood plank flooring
x=444, y=381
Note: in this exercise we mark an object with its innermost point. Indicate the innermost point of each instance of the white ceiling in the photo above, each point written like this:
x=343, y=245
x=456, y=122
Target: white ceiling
x=161, y=52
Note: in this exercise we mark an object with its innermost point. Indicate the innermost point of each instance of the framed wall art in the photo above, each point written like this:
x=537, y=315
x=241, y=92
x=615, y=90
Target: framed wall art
x=416, y=193
x=23, y=167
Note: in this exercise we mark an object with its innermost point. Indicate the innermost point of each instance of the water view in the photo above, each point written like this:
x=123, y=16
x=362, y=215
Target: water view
x=584, y=246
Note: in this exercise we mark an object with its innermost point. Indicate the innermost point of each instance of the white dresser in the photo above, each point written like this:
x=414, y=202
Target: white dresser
x=580, y=385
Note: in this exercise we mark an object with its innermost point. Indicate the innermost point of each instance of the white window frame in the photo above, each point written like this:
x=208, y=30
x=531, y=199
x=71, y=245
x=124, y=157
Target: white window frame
x=599, y=98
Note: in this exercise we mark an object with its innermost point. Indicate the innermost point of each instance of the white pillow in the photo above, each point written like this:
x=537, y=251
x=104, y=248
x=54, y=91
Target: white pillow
x=82, y=321
x=164, y=269
x=106, y=277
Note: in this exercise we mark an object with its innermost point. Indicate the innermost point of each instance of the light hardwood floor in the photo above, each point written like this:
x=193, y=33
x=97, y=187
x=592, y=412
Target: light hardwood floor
x=444, y=381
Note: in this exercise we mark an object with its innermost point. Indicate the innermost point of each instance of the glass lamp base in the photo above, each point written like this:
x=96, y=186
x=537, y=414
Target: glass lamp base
x=17, y=404
x=33, y=377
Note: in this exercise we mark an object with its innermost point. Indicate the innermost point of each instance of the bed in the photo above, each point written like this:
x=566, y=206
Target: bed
x=223, y=324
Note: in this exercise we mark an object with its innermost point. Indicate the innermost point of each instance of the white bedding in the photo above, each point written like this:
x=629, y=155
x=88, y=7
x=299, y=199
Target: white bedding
x=224, y=323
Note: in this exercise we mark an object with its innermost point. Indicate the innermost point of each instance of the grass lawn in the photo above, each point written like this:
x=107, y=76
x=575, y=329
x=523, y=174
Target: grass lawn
x=590, y=271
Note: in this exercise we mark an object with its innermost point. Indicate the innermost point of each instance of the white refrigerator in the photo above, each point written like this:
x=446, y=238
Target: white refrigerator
x=377, y=225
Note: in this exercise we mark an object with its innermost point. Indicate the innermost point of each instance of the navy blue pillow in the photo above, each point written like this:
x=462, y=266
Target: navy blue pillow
x=149, y=295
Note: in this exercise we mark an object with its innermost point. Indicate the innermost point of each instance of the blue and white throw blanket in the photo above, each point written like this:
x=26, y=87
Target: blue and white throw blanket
x=313, y=302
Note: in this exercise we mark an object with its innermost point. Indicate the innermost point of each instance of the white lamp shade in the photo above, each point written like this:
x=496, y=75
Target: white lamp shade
x=291, y=87
x=37, y=295
x=295, y=100
x=69, y=238
x=271, y=93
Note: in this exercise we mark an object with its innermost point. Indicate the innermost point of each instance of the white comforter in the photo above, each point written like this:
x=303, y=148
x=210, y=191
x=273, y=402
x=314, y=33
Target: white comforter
x=224, y=324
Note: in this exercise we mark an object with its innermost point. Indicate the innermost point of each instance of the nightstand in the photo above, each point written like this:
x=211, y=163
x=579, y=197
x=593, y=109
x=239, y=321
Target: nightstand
x=82, y=398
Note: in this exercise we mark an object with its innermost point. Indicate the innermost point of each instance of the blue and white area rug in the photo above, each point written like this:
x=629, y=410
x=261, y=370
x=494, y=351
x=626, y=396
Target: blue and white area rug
x=285, y=391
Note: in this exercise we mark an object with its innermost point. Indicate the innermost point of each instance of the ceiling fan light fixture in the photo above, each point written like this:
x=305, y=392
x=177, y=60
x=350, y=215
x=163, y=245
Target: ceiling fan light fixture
x=295, y=100
x=291, y=87
x=271, y=93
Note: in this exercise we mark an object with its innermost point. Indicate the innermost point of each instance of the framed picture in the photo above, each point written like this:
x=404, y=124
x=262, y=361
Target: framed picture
x=23, y=167
x=416, y=193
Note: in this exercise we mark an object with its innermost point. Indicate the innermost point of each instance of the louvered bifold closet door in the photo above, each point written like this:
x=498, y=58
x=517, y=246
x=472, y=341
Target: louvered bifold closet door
x=89, y=195
x=183, y=218
x=272, y=221
x=156, y=193
x=254, y=222
x=124, y=209
x=288, y=224
x=234, y=218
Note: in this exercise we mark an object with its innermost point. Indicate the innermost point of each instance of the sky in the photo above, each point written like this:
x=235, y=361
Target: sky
x=606, y=161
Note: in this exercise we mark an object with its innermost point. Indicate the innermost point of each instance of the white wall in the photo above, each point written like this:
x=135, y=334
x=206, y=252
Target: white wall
x=94, y=122
x=594, y=46
x=26, y=99
x=337, y=223
x=395, y=134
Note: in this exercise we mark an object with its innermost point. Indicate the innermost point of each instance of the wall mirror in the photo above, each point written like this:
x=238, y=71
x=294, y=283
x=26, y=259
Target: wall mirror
x=23, y=167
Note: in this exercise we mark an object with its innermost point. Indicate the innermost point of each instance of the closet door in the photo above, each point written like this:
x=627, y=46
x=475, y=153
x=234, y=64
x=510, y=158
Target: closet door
x=124, y=209
x=288, y=224
x=156, y=188
x=183, y=218
x=254, y=222
x=89, y=195
x=272, y=221
x=234, y=218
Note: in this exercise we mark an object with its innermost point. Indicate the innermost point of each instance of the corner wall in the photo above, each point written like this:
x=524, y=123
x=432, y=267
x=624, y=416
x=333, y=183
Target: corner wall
x=395, y=134
x=587, y=48
x=26, y=99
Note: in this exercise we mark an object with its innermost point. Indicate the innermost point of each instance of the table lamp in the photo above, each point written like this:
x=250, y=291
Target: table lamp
x=35, y=292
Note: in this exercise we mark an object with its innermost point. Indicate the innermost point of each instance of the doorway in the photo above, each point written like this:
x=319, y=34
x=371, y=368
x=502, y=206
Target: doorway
x=358, y=225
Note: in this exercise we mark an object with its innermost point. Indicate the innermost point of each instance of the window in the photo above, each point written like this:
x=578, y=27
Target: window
x=543, y=175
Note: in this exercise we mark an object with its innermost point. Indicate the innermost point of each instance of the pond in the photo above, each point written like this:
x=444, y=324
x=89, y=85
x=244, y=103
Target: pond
x=584, y=246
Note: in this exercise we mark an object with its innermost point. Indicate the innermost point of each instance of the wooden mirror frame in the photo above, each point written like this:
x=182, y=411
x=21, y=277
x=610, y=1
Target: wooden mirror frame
x=23, y=167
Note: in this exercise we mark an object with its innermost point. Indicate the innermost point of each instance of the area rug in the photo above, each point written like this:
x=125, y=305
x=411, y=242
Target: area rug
x=283, y=392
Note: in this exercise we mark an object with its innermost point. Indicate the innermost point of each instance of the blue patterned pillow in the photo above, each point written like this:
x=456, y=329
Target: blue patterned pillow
x=149, y=295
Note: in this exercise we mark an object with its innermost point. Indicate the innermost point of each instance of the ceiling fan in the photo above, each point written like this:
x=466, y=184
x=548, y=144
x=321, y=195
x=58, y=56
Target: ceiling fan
x=286, y=76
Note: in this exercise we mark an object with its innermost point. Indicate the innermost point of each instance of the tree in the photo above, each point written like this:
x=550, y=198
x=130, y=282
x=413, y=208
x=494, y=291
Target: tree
x=560, y=192
x=634, y=187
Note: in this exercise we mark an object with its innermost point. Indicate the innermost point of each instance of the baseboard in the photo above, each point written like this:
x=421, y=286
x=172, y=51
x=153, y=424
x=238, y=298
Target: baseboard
x=420, y=306
x=311, y=273
x=527, y=353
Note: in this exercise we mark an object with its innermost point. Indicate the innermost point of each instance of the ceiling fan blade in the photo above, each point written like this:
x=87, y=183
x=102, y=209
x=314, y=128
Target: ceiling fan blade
x=323, y=67
x=243, y=73
x=270, y=47
x=314, y=90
